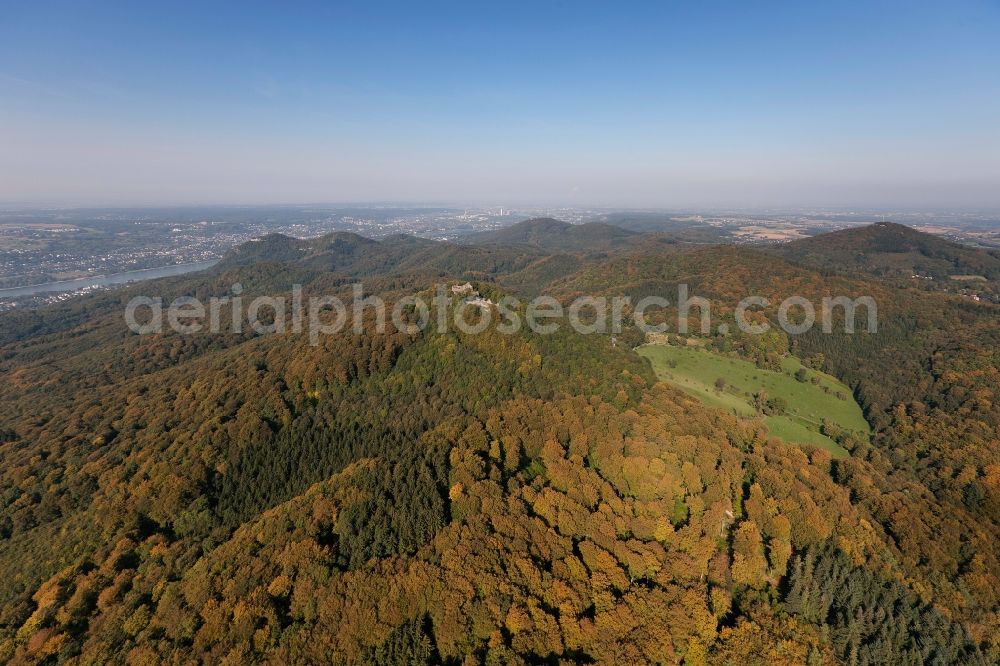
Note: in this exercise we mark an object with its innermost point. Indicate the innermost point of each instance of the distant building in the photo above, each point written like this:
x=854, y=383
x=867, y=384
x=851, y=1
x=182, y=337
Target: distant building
x=481, y=302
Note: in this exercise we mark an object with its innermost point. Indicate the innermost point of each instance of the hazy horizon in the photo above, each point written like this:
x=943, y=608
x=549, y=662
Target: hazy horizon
x=872, y=211
x=857, y=105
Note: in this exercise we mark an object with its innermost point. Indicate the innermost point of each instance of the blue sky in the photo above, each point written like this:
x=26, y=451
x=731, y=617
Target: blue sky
x=621, y=104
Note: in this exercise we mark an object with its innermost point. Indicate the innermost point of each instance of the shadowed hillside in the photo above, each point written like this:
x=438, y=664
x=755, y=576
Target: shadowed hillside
x=557, y=236
x=356, y=256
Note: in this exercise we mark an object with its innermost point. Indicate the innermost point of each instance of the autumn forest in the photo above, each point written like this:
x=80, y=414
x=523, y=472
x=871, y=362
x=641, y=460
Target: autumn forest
x=428, y=497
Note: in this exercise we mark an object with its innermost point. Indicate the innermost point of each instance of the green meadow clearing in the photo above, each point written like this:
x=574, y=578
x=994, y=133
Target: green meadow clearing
x=695, y=371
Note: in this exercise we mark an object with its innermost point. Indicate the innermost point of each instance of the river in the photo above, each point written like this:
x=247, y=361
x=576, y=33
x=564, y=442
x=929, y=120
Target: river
x=107, y=280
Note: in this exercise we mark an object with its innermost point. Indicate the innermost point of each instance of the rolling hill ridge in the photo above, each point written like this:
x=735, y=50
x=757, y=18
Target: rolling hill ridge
x=890, y=250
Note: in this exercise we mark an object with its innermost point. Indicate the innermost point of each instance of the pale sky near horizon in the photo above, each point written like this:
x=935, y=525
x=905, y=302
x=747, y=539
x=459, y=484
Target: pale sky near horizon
x=573, y=103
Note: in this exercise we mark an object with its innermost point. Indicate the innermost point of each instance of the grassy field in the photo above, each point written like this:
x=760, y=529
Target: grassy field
x=696, y=370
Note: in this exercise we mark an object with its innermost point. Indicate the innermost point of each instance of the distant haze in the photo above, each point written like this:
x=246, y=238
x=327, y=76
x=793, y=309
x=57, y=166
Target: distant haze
x=788, y=104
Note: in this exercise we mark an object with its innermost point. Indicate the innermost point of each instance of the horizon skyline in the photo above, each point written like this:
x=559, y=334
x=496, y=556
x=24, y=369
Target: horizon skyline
x=533, y=210
x=886, y=105
x=518, y=208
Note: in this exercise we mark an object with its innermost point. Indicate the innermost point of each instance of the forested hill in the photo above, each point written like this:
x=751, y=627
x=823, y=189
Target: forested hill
x=441, y=497
x=556, y=236
x=889, y=249
x=356, y=256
